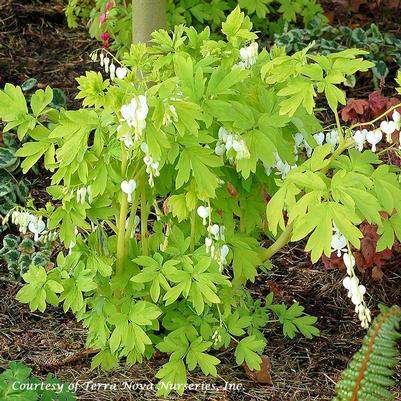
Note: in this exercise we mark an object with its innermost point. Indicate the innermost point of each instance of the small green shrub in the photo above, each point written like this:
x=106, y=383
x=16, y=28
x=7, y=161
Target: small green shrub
x=17, y=384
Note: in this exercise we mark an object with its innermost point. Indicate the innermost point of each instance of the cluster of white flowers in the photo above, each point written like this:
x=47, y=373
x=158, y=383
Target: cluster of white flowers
x=232, y=145
x=282, y=167
x=356, y=291
x=248, y=56
x=109, y=66
x=27, y=221
x=128, y=187
x=152, y=166
x=214, y=242
x=135, y=113
x=83, y=193
x=331, y=137
x=373, y=137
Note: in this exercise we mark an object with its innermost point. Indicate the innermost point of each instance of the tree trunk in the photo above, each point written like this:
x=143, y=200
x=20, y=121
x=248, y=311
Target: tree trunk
x=147, y=16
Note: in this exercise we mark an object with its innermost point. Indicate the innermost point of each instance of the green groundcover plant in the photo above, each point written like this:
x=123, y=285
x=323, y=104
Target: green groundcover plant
x=384, y=48
x=161, y=186
x=111, y=19
x=17, y=384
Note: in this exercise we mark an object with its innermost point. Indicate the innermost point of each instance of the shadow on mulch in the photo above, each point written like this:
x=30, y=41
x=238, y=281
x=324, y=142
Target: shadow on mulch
x=35, y=42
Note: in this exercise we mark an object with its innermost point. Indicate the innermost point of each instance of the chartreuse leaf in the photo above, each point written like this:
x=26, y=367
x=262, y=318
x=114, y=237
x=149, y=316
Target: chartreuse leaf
x=237, y=27
x=40, y=99
x=246, y=258
x=105, y=359
x=248, y=350
x=39, y=288
x=198, y=161
x=197, y=356
x=294, y=320
x=14, y=111
x=173, y=376
x=299, y=92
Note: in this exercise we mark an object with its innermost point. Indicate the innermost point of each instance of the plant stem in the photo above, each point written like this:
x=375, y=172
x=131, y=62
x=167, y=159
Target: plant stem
x=339, y=129
x=144, y=222
x=131, y=220
x=121, y=234
x=241, y=218
x=123, y=216
x=193, y=225
x=281, y=242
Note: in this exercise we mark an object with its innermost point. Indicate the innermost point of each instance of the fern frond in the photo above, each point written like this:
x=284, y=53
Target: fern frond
x=368, y=376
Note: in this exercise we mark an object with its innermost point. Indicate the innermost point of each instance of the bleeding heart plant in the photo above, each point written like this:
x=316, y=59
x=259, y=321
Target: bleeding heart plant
x=157, y=147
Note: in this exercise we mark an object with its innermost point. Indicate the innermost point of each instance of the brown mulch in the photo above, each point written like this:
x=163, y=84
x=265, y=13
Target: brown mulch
x=34, y=35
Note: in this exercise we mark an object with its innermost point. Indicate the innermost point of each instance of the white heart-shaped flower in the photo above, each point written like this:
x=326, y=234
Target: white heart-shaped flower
x=36, y=227
x=121, y=72
x=319, y=138
x=338, y=243
x=347, y=282
x=223, y=134
x=208, y=242
x=374, y=137
x=223, y=254
x=128, y=187
x=214, y=230
x=112, y=71
x=144, y=147
x=362, y=290
x=360, y=139
x=220, y=149
x=388, y=127
x=203, y=213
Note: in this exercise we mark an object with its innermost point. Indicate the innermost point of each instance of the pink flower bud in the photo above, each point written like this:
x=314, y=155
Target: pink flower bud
x=105, y=36
x=102, y=19
x=105, y=39
x=108, y=6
